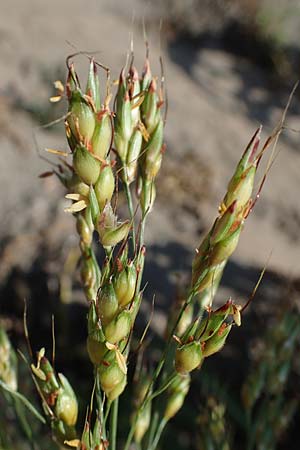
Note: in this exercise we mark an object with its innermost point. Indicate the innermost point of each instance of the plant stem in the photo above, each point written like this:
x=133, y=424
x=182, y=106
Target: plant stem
x=158, y=434
x=142, y=232
x=114, y=424
x=100, y=406
x=107, y=412
x=165, y=386
x=152, y=428
x=158, y=368
x=163, y=357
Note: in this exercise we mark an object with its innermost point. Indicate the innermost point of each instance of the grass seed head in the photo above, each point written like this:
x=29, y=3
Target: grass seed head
x=222, y=239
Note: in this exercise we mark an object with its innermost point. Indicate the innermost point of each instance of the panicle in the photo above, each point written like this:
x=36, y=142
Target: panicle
x=221, y=241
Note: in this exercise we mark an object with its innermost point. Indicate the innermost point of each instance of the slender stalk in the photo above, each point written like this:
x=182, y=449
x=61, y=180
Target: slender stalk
x=153, y=425
x=107, y=412
x=158, y=369
x=142, y=232
x=164, y=387
x=158, y=434
x=114, y=424
x=100, y=407
x=163, y=357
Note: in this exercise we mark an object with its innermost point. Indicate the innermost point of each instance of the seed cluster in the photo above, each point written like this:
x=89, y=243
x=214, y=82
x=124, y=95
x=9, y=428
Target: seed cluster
x=124, y=145
x=115, y=148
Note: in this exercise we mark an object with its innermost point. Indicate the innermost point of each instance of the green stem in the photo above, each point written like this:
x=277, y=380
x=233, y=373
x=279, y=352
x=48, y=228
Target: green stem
x=152, y=428
x=142, y=232
x=158, y=368
x=163, y=357
x=114, y=424
x=107, y=412
x=158, y=434
x=165, y=386
x=100, y=406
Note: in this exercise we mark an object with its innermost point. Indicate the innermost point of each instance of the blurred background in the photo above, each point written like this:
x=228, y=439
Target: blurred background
x=230, y=66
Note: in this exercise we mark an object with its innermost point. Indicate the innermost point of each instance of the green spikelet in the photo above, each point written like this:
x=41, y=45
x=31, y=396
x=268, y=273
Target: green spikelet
x=102, y=136
x=118, y=328
x=222, y=239
x=107, y=303
x=188, y=357
x=105, y=186
x=125, y=283
x=85, y=165
x=176, y=395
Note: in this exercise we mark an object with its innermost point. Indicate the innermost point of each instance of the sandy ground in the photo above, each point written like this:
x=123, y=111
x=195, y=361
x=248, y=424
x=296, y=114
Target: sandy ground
x=216, y=101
